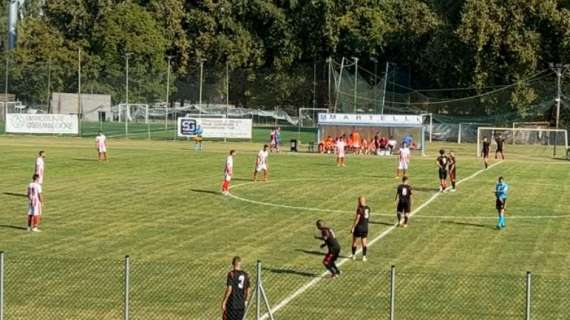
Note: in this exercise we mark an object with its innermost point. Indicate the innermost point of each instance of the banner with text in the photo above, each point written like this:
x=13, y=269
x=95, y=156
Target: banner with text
x=382, y=120
x=215, y=128
x=42, y=123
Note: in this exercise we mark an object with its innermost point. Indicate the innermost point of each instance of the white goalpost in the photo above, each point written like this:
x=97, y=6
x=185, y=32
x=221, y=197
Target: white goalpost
x=525, y=136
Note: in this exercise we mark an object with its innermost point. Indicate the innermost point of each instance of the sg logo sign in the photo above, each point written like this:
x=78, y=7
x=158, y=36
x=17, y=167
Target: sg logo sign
x=189, y=127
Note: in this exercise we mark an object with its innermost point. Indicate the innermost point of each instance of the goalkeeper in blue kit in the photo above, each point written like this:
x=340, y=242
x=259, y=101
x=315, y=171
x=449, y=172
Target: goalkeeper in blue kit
x=501, y=189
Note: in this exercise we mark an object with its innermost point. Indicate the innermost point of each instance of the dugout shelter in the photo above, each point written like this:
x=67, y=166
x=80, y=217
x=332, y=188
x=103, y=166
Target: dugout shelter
x=369, y=125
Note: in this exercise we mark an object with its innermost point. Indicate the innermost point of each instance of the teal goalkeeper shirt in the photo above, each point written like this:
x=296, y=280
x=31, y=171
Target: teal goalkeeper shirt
x=501, y=190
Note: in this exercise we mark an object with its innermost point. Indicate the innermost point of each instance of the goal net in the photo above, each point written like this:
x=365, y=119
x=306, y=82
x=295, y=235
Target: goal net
x=530, y=141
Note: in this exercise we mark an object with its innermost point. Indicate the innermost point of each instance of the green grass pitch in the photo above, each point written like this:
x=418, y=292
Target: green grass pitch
x=159, y=202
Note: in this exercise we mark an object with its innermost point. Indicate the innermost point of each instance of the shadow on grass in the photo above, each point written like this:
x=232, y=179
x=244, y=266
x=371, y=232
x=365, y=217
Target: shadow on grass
x=12, y=227
x=469, y=224
x=12, y=194
x=205, y=191
x=316, y=253
x=85, y=159
x=292, y=272
x=382, y=223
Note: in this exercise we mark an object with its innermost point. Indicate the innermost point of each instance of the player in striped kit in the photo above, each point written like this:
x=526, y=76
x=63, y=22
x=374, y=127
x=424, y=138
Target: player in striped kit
x=35, y=199
x=404, y=161
x=228, y=173
x=40, y=166
x=261, y=163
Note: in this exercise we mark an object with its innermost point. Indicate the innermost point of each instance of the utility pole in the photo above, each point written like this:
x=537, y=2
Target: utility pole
x=167, y=92
x=127, y=111
x=355, y=82
x=375, y=61
x=49, y=85
x=329, y=62
x=559, y=69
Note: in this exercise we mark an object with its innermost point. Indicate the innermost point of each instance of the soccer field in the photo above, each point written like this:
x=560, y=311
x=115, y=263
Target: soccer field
x=159, y=203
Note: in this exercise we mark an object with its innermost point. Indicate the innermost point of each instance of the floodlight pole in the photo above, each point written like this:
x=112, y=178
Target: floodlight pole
x=200, y=94
x=355, y=82
x=127, y=112
x=385, y=84
x=49, y=84
x=79, y=106
x=559, y=69
x=329, y=62
x=167, y=91
x=375, y=61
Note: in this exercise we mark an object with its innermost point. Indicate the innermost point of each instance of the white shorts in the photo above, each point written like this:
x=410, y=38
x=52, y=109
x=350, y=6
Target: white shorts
x=340, y=155
x=261, y=167
x=403, y=165
x=102, y=149
x=228, y=178
x=35, y=210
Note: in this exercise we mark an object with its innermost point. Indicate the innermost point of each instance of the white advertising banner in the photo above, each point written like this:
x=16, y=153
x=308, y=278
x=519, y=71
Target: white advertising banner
x=370, y=119
x=215, y=128
x=42, y=123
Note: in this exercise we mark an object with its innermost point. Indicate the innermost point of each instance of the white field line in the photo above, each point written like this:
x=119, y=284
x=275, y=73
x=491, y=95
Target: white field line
x=386, y=232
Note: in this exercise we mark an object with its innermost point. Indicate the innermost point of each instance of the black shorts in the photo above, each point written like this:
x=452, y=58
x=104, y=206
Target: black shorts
x=501, y=204
x=234, y=314
x=403, y=207
x=360, y=233
x=499, y=150
x=442, y=173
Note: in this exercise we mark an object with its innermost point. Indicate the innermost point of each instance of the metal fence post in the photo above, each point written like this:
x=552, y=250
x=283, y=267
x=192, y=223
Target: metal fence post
x=2, y=285
x=393, y=293
x=528, y=295
x=258, y=291
x=126, y=288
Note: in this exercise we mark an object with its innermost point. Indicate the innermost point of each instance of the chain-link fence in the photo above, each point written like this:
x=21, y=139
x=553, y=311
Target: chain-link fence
x=61, y=288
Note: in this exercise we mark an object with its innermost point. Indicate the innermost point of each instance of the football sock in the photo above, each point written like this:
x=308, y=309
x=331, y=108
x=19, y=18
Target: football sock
x=364, y=250
x=453, y=184
x=353, y=250
x=30, y=221
x=405, y=220
x=499, y=222
x=335, y=268
x=399, y=217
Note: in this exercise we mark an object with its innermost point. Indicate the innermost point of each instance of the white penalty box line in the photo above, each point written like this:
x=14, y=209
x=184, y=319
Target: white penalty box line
x=385, y=233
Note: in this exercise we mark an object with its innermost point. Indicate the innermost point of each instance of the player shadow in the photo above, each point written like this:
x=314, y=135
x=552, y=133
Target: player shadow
x=84, y=159
x=382, y=223
x=315, y=252
x=240, y=179
x=292, y=272
x=424, y=189
x=205, y=191
x=7, y=226
x=13, y=194
x=469, y=224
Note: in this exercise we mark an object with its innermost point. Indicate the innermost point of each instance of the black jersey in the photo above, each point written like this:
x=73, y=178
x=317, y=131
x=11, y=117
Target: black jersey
x=239, y=282
x=404, y=193
x=500, y=142
x=443, y=161
x=486, y=146
x=363, y=213
x=452, y=164
x=330, y=239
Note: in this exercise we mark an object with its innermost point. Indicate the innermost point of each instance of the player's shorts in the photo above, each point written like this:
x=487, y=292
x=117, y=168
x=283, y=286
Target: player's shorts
x=404, y=207
x=340, y=155
x=442, y=173
x=102, y=149
x=452, y=174
x=360, y=233
x=499, y=150
x=34, y=210
x=234, y=314
x=331, y=257
x=501, y=204
x=261, y=167
x=228, y=177
x=403, y=165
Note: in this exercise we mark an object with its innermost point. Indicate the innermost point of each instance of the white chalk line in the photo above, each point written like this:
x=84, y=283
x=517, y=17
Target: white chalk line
x=284, y=206
x=342, y=261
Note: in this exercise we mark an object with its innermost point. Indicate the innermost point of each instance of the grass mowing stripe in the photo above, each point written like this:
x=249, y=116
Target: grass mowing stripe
x=386, y=232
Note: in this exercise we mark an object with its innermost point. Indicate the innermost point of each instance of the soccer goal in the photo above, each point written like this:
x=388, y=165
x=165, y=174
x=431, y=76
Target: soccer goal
x=537, y=139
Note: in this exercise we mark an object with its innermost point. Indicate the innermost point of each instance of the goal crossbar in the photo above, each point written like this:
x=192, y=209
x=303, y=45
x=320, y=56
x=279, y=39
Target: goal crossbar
x=514, y=130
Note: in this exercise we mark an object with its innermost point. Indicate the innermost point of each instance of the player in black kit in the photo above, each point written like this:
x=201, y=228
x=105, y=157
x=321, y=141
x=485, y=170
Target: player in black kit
x=500, y=144
x=404, y=202
x=237, y=294
x=485, y=151
x=329, y=238
x=452, y=170
x=360, y=228
x=442, y=162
